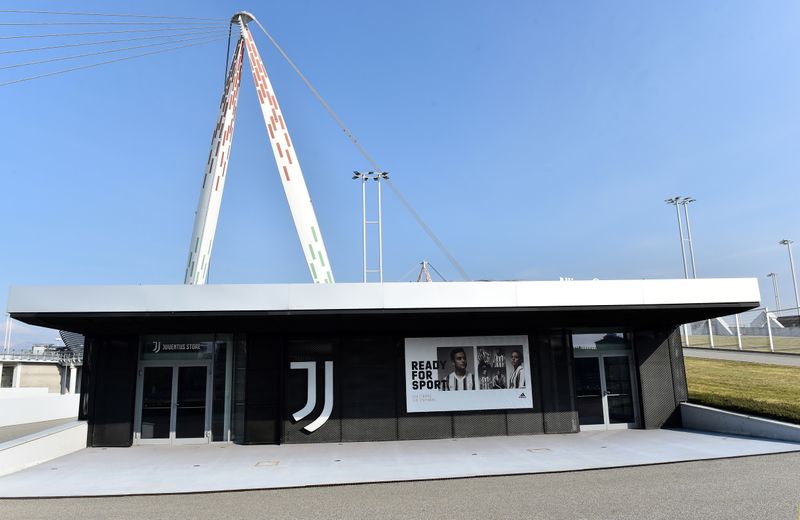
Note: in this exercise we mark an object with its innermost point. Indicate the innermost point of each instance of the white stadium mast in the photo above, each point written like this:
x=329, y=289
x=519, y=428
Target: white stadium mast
x=294, y=185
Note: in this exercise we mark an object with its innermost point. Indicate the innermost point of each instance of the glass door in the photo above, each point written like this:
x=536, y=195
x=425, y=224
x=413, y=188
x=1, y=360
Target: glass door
x=605, y=392
x=174, y=403
x=618, y=390
x=190, y=405
x=156, y=414
x=589, y=391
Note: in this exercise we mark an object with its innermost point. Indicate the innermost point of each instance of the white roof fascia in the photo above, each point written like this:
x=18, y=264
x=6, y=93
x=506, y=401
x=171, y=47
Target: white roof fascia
x=387, y=296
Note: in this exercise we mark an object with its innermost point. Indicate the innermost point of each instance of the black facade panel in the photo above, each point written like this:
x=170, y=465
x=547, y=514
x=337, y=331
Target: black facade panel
x=368, y=388
x=479, y=424
x=373, y=426
x=262, y=390
x=239, y=377
x=425, y=426
x=554, y=353
x=655, y=377
x=218, y=393
x=296, y=391
x=524, y=422
x=369, y=384
x=114, y=361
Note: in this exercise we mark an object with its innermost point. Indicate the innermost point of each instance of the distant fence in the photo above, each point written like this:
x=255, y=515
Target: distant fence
x=61, y=357
x=761, y=330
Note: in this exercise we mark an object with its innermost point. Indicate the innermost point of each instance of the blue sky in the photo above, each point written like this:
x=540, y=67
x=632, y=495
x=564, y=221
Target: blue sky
x=538, y=139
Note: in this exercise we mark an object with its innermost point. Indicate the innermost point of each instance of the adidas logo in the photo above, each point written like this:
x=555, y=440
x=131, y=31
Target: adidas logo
x=522, y=395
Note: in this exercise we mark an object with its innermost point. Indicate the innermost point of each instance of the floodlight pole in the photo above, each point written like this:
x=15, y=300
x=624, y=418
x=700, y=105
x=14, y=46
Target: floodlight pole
x=380, y=227
x=685, y=201
x=675, y=201
x=788, y=244
x=774, y=277
x=7, y=337
x=377, y=177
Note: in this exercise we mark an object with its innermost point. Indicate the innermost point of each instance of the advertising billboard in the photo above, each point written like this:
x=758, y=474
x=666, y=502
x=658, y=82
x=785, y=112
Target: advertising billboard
x=467, y=373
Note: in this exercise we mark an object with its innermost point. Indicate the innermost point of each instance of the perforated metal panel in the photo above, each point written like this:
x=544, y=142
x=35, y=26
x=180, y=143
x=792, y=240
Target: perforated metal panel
x=425, y=426
x=678, y=368
x=655, y=377
x=524, y=422
x=368, y=389
x=479, y=424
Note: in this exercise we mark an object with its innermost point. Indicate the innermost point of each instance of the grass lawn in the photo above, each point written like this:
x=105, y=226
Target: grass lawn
x=771, y=391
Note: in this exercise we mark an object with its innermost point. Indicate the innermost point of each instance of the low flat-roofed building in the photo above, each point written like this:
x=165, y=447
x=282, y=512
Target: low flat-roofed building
x=294, y=363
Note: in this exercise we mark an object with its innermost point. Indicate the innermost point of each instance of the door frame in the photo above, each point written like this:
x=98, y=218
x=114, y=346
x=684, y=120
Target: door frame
x=607, y=425
x=175, y=364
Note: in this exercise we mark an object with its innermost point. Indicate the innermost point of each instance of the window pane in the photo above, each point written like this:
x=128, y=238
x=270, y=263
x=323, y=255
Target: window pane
x=588, y=391
x=156, y=402
x=190, y=421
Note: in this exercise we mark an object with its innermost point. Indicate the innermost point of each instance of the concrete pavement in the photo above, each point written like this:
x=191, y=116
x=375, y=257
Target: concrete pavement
x=155, y=469
x=758, y=487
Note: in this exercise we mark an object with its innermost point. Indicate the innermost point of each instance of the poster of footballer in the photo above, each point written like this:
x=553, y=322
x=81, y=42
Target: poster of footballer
x=467, y=373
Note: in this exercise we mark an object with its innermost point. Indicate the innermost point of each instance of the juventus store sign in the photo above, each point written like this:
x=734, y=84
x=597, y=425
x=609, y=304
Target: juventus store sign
x=467, y=373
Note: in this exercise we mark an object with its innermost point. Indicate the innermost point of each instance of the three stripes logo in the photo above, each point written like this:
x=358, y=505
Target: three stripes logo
x=311, y=400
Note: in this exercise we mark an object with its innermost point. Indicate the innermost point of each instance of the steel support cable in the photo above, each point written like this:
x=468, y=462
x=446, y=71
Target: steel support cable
x=109, y=32
x=227, y=59
x=367, y=156
x=32, y=24
x=88, y=54
x=20, y=11
x=64, y=71
x=88, y=44
x=436, y=271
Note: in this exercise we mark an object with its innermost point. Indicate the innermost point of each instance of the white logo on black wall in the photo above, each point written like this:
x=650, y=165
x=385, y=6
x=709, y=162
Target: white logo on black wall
x=311, y=401
x=158, y=346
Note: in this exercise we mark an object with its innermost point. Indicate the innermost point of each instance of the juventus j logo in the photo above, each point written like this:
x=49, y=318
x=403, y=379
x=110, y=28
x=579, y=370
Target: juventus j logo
x=156, y=347
x=311, y=400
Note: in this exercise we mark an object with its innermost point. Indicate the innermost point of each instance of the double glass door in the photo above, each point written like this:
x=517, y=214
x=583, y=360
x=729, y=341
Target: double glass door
x=605, y=392
x=173, y=403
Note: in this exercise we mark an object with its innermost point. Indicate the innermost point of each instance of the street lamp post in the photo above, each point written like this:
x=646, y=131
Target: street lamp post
x=774, y=277
x=788, y=243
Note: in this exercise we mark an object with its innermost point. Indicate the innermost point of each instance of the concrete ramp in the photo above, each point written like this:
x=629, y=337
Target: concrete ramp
x=39, y=442
x=706, y=418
